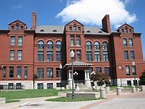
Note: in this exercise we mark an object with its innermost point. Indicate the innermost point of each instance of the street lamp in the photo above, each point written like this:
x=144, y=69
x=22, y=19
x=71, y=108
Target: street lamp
x=72, y=54
x=60, y=67
x=133, y=71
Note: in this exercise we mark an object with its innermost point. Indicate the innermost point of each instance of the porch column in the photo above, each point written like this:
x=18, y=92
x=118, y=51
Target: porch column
x=87, y=79
x=69, y=79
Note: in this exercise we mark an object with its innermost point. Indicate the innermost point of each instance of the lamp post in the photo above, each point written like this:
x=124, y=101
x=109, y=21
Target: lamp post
x=133, y=72
x=72, y=54
x=60, y=67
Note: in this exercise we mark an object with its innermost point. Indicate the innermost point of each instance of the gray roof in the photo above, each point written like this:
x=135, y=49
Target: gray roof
x=50, y=29
x=60, y=29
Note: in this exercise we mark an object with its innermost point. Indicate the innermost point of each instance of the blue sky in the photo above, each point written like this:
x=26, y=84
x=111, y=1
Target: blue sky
x=88, y=12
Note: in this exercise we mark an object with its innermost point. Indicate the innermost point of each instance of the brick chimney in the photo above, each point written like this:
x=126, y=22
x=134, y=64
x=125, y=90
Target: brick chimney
x=33, y=20
x=106, y=23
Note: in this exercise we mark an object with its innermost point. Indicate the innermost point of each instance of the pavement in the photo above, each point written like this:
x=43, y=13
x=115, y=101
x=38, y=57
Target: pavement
x=124, y=101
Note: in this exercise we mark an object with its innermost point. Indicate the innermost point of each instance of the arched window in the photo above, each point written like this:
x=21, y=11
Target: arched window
x=97, y=46
x=104, y=45
x=58, y=45
x=124, y=42
x=88, y=45
x=49, y=45
x=40, y=45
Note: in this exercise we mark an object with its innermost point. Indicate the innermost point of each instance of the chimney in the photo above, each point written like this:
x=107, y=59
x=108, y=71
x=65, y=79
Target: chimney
x=33, y=20
x=106, y=23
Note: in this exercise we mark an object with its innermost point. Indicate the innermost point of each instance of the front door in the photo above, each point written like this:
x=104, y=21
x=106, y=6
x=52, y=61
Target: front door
x=79, y=77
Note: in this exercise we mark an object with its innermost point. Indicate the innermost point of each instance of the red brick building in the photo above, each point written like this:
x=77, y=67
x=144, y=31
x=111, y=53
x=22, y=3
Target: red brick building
x=42, y=49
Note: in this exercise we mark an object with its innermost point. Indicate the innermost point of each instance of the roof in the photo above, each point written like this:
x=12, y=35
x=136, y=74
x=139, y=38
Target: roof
x=93, y=30
x=50, y=29
x=46, y=29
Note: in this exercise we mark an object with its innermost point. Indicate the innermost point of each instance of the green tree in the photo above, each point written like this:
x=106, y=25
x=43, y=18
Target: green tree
x=34, y=78
x=102, y=78
x=142, y=78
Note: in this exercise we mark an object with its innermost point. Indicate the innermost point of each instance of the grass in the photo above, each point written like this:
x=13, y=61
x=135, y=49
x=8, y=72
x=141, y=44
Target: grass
x=11, y=95
x=69, y=99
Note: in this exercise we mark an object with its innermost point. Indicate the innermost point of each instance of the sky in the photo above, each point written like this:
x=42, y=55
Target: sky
x=87, y=12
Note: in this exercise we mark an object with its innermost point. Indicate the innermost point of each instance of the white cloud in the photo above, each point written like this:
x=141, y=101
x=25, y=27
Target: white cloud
x=92, y=11
x=17, y=7
x=126, y=2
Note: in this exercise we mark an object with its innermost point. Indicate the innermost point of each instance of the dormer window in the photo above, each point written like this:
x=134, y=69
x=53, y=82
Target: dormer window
x=22, y=27
x=54, y=30
x=130, y=30
x=88, y=31
x=41, y=30
x=126, y=29
x=79, y=28
x=122, y=30
x=100, y=32
x=70, y=28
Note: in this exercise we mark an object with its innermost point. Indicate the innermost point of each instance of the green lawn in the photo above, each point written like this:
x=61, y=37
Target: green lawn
x=69, y=99
x=11, y=95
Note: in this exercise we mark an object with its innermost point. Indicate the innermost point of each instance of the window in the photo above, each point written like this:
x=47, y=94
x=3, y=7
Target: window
x=40, y=45
x=49, y=73
x=10, y=86
x=11, y=71
x=97, y=46
x=49, y=45
x=133, y=70
x=130, y=30
x=97, y=56
x=58, y=56
x=58, y=73
x=90, y=70
x=104, y=45
x=12, y=40
x=130, y=42
x=132, y=55
x=4, y=72
x=18, y=86
x=105, y=55
x=20, y=40
x=78, y=40
x=25, y=72
x=49, y=56
x=70, y=28
x=126, y=29
x=40, y=56
x=126, y=55
x=40, y=86
x=88, y=45
x=17, y=26
x=12, y=55
x=40, y=72
x=19, y=72
x=107, y=70
x=78, y=54
x=19, y=54
x=79, y=28
x=72, y=40
x=49, y=85
x=98, y=69
x=75, y=27
x=124, y=42
x=58, y=45
x=12, y=27
x=122, y=30
x=127, y=70
x=89, y=56
x=22, y=28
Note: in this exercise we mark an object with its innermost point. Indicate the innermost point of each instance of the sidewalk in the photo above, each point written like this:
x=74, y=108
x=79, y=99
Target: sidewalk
x=113, y=101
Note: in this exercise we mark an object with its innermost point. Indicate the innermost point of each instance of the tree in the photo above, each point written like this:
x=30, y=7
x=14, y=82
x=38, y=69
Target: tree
x=142, y=78
x=102, y=78
x=34, y=78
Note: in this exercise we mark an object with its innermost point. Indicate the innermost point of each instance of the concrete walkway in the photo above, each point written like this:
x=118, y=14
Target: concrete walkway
x=113, y=101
